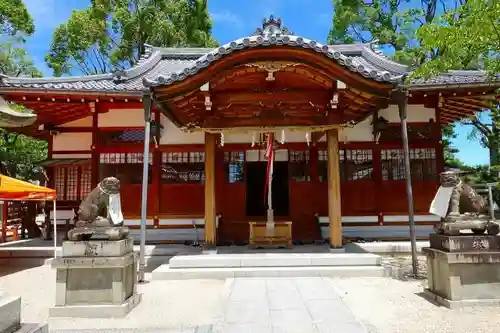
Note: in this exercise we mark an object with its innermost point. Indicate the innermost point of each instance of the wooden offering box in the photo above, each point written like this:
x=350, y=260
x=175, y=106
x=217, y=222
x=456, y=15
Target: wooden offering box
x=282, y=234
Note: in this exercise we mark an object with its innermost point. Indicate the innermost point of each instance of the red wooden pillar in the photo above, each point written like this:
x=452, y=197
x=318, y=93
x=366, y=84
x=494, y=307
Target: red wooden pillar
x=94, y=109
x=156, y=172
x=5, y=212
x=313, y=166
x=377, y=177
x=50, y=172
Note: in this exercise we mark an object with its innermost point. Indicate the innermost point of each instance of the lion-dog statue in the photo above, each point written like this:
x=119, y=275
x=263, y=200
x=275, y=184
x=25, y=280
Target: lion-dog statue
x=99, y=215
x=461, y=208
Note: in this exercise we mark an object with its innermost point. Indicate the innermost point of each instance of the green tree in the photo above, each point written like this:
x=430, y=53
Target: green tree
x=112, y=34
x=469, y=34
x=395, y=26
x=14, y=18
x=18, y=153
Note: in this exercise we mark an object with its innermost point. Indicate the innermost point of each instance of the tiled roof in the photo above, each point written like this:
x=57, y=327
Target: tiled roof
x=455, y=78
x=163, y=66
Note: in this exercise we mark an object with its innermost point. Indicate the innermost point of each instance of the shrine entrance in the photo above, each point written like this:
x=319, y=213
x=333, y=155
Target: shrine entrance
x=256, y=206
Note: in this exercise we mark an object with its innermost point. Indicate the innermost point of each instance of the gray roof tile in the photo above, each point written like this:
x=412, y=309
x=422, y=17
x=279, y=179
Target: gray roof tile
x=163, y=66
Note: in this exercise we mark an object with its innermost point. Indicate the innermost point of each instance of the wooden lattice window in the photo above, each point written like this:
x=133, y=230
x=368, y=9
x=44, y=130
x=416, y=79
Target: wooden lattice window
x=356, y=164
x=60, y=183
x=422, y=164
x=72, y=184
x=127, y=167
x=298, y=166
x=183, y=167
x=175, y=157
x=85, y=181
x=322, y=155
x=235, y=169
x=66, y=182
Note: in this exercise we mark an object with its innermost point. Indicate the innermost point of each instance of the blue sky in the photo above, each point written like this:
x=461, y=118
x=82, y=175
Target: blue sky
x=232, y=20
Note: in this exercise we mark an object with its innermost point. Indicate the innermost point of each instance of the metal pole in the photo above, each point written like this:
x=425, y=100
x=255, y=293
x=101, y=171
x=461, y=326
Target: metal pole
x=403, y=110
x=144, y=198
x=55, y=230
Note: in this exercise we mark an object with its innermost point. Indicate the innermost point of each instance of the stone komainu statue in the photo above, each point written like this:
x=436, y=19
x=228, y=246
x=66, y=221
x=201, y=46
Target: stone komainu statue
x=99, y=215
x=461, y=208
x=464, y=199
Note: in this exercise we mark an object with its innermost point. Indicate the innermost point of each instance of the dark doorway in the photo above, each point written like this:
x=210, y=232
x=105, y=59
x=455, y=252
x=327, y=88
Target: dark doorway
x=255, y=182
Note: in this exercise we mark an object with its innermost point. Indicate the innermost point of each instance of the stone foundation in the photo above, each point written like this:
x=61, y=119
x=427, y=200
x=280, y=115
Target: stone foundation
x=463, y=270
x=96, y=279
x=10, y=317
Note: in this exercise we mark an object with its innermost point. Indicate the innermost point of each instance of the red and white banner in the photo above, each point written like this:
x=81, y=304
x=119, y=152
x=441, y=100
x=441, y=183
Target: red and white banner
x=269, y=174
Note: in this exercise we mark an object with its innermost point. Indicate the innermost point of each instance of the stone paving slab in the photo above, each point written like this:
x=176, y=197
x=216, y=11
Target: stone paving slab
x=202, y=329
x=288, y=305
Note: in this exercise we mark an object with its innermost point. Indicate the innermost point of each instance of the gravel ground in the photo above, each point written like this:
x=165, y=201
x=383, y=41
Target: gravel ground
x=384, y=305
x=402, y=268
x=393, y=306
x=165, y=304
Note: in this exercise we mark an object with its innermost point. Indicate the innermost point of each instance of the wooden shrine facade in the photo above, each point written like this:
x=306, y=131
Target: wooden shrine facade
x=334, y=111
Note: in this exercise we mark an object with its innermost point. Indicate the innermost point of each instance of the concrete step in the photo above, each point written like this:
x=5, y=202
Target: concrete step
x=165, y=272
x=274, y=260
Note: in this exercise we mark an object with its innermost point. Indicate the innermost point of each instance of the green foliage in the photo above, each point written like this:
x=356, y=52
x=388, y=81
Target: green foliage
x=390, y=22
x=394, y=25
x=14, y=18
x=470, y=34
x=112, y=34
x=20, y=154
x=14, y=61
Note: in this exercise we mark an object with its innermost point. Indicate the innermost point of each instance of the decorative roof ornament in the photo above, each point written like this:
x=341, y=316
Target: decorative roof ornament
x=375, y=46
x=119, y=76
x=272, y=27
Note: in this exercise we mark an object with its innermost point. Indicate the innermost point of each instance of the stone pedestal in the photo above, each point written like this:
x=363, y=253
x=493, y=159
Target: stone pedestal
x=463, y=270
x=10, y=317
x=96, y=279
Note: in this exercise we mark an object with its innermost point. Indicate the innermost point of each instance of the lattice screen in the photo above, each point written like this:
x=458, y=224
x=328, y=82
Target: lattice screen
x=59, y=182
x=298, y=156
x=85, y=181
x=72, y=183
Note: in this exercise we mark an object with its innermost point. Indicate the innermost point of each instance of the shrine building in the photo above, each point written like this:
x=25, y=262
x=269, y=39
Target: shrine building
x=335, y=112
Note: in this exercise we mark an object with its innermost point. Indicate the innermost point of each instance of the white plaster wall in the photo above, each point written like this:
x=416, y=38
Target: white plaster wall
x=84, y=122
x=69, y=156
x=363, y=130
x=416, y=113
x=122, y=118
x=360, y=132
x=173, y=135
x=290, y=136
x=72, y=141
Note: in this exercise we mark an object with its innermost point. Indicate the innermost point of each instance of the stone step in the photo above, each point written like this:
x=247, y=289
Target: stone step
x=274, y=260
x=165, y=272
x=33, y=328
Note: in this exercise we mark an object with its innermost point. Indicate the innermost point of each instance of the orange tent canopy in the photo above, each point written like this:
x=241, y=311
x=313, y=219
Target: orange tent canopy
x=15, y=189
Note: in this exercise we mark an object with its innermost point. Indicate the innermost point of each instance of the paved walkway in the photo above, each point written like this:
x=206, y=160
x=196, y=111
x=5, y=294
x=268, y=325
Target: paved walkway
x=288, y=305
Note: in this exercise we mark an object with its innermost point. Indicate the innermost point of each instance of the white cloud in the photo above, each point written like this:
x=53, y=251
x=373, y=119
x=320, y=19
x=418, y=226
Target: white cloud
x=228, y=18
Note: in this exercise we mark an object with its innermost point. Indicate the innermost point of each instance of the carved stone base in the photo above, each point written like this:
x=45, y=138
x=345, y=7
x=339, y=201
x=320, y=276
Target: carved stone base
x=464, y=243
x=478, y=227
x=96, y=279
x=467, y=278
x=98, y=233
